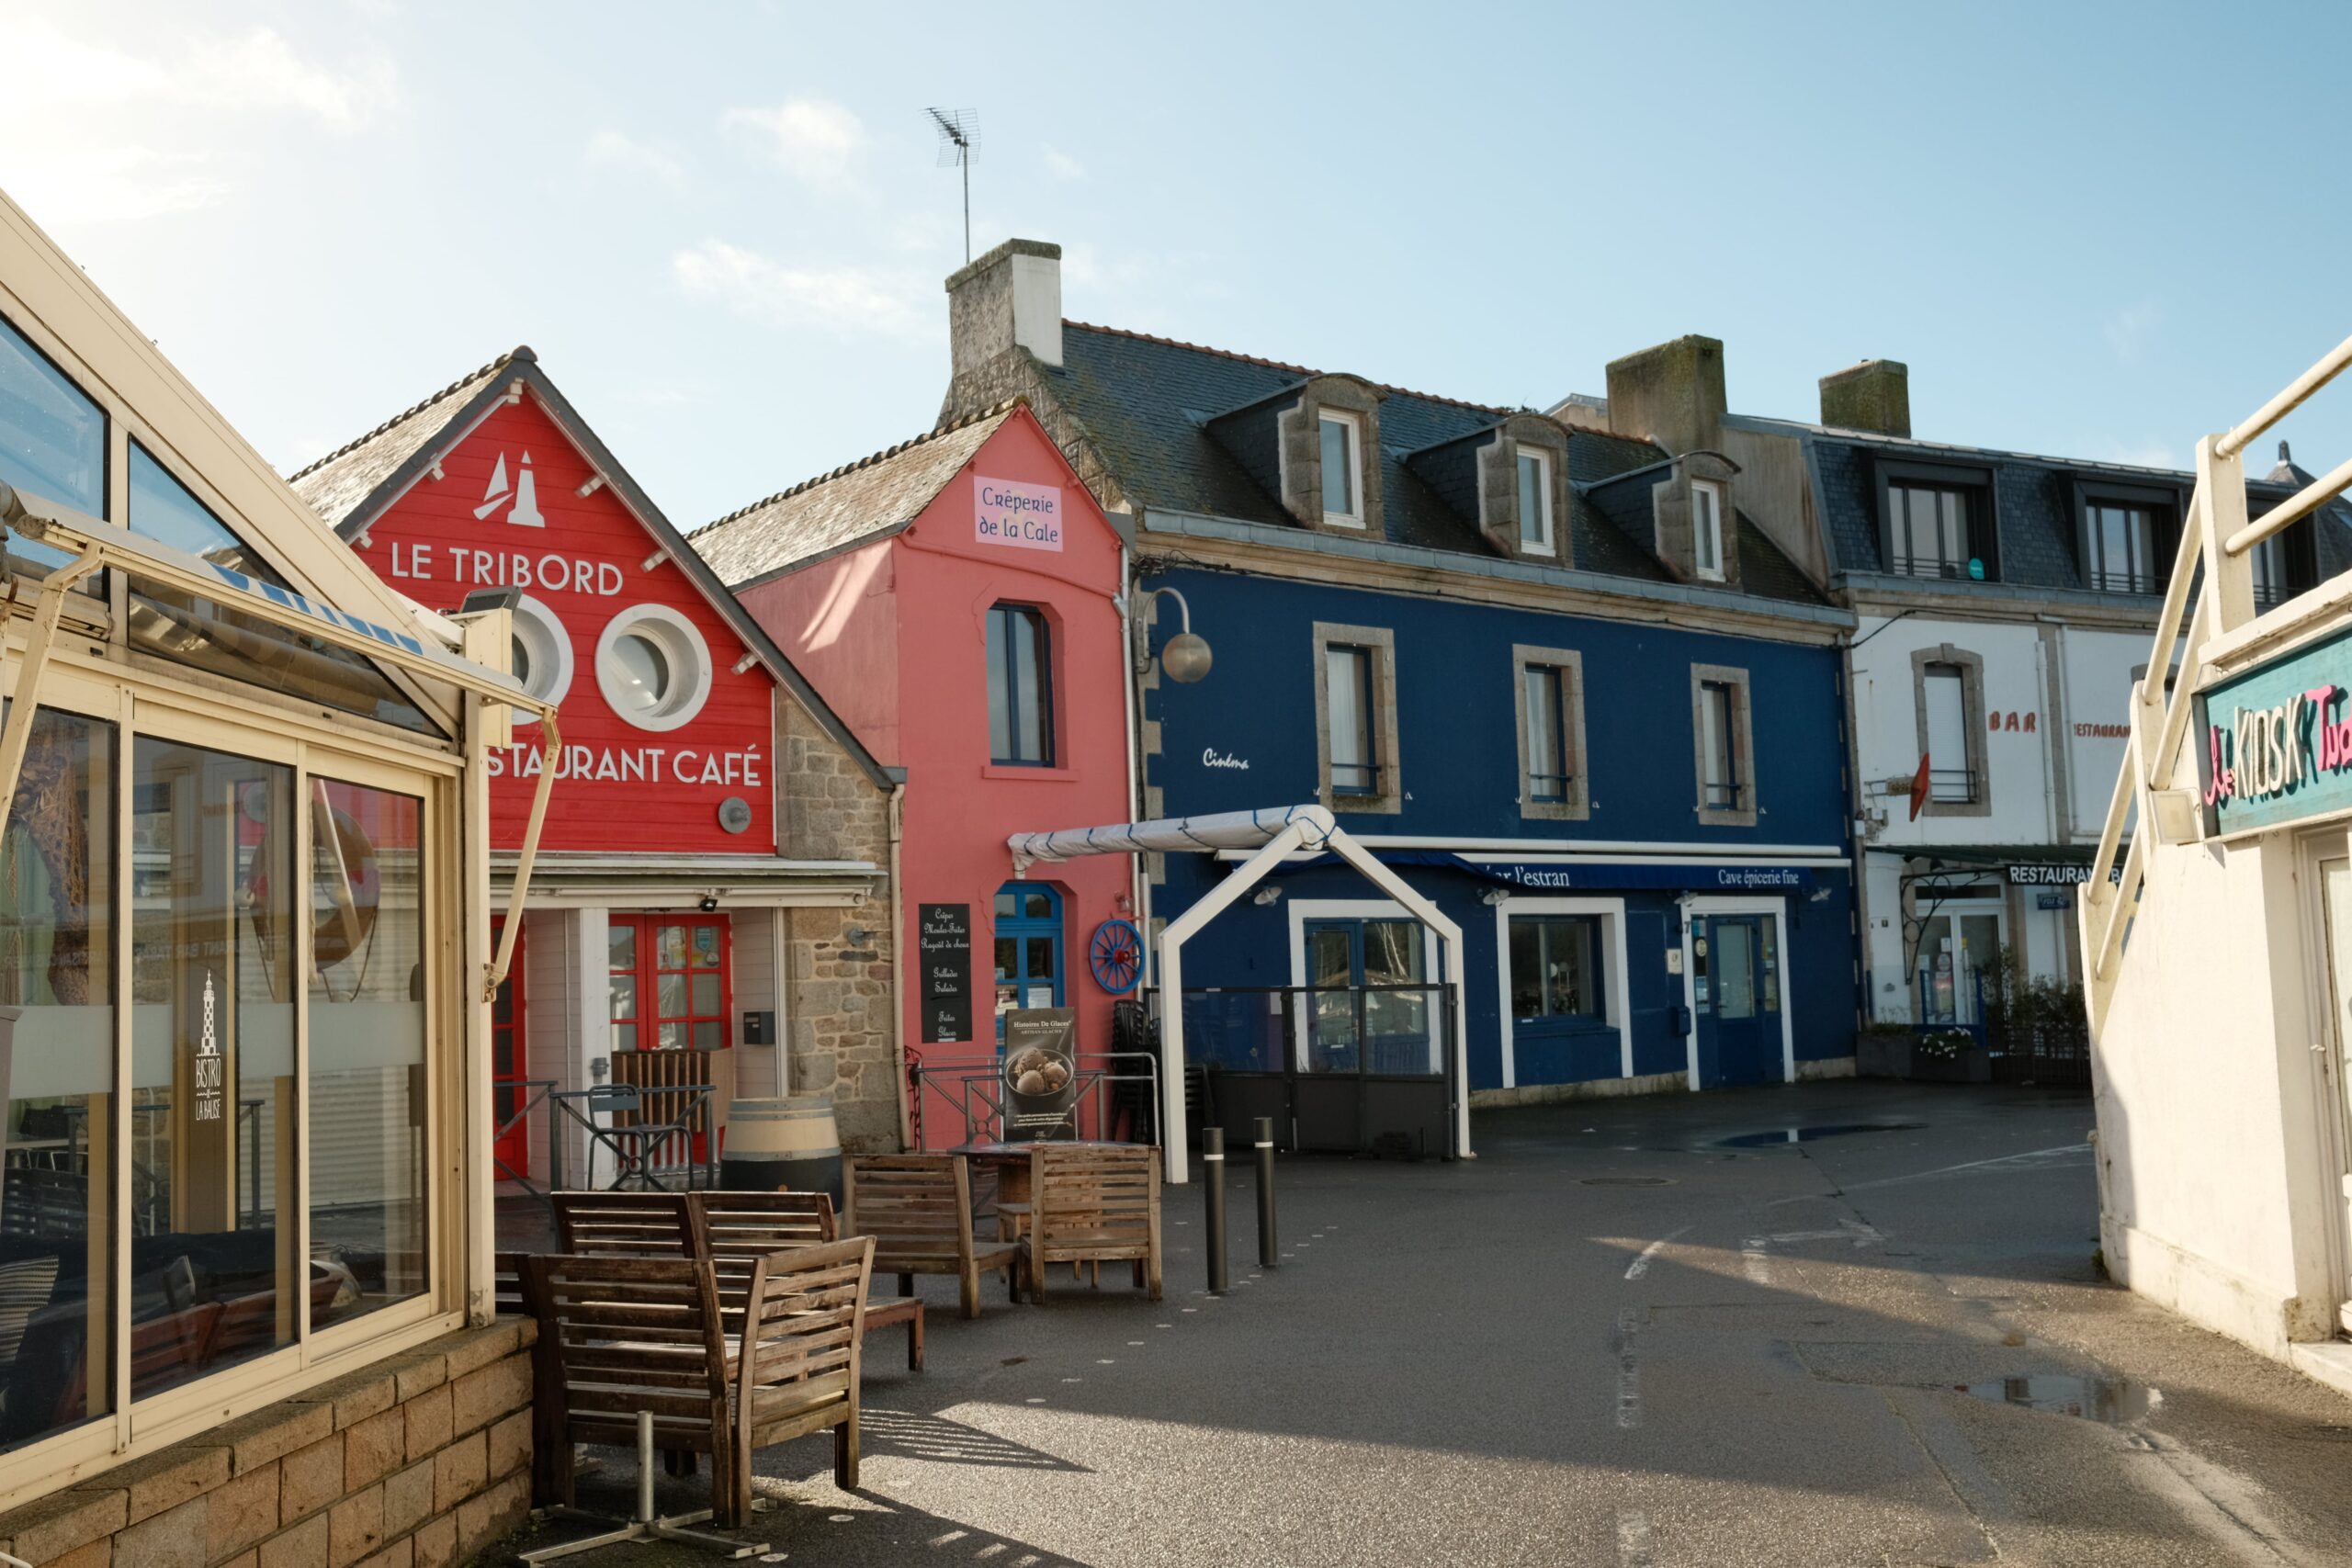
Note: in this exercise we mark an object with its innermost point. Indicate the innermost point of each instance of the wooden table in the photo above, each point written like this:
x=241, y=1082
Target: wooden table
x=1009, y=1163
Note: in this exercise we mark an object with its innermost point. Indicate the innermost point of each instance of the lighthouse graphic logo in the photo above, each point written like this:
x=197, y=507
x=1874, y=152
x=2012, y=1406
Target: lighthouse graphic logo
x=524, y=494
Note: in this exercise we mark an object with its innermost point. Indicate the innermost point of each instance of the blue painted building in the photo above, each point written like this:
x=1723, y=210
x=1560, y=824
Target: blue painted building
x=1551, y=672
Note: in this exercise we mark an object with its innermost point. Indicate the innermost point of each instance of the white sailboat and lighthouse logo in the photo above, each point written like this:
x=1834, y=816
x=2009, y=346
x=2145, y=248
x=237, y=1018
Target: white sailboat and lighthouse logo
x=525, y=493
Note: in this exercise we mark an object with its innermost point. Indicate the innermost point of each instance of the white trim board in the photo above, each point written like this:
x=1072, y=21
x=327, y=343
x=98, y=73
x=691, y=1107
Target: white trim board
x=1726, y=904
x=1613, y=987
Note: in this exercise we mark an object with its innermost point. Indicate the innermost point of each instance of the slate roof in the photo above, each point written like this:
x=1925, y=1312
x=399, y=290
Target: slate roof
x=338, y=483
x=860, y=500
x=2033, y=502
x=1148, y=403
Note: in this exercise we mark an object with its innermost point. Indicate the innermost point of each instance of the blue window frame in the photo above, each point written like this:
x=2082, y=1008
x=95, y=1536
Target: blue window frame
x=1029, y=949
x=1020, y=688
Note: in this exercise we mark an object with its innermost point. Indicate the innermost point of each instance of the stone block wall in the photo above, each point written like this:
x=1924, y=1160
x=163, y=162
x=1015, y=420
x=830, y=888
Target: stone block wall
x=838, y=995
x=418, y=1461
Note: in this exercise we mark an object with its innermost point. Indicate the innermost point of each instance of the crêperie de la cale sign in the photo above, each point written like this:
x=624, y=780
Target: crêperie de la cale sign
x=2276, y=743
x=944, y=941
x=1016, y=517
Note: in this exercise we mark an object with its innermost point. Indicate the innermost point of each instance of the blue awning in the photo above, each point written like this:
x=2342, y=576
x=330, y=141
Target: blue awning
x=1596, y=875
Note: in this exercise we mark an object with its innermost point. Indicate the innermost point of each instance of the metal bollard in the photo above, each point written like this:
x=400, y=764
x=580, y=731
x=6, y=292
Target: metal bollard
x=1213, y=1189
x=1266, y=1242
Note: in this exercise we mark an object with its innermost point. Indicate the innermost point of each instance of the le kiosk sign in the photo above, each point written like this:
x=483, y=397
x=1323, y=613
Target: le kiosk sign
x=2277, y=742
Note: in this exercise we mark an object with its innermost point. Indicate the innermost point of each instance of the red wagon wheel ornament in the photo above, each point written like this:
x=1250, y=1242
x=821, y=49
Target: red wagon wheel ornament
x=1117, y=956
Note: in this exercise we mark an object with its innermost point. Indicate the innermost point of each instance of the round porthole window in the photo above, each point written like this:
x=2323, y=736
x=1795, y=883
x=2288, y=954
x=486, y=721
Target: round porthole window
x=541, y=653
x=653, y=667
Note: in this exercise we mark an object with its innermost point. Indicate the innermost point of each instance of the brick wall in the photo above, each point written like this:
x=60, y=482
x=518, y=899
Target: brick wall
x=418, y=1461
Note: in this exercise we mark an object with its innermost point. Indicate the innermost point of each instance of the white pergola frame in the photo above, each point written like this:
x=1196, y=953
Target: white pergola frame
x=1275, y=833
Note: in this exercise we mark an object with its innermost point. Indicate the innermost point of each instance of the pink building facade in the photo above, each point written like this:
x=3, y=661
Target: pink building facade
x=956, y=600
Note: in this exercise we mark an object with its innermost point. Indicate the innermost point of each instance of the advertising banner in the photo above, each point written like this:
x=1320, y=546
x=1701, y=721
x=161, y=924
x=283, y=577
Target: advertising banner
x=1040, y=1074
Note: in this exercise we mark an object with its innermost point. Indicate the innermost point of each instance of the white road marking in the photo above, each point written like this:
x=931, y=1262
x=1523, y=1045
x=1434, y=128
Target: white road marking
x=1633, y=1539
x=1629, y=1371
x=2032, y=1159
x=1753, y=1259
x=1641, y=1265
x=1854, y=1231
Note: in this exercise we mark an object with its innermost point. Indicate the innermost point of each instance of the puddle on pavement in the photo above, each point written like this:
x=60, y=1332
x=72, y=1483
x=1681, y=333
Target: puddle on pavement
x=2109, y=1400
x=1808, y=1135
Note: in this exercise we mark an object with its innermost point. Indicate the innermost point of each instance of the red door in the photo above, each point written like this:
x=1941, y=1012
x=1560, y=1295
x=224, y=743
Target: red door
x=509, y=1067
x=671, y=984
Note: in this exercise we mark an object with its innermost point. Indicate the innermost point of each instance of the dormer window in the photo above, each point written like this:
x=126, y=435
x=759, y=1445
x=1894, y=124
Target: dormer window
x=1342, y=468
x=2123, y=548
x=1536, y=501
x=1707, y=528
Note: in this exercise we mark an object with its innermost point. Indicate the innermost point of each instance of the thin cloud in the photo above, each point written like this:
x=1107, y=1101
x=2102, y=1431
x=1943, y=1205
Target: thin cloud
x=2129, y=329
x=813, y=140
x=1062, y=166
x=98, y=132
x=848, y=301
x=619, y=153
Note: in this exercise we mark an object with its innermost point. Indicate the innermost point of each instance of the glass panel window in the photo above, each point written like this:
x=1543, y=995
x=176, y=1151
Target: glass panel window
x=1343, y=460
x=1707, y=528
x=1355, y=767
x=668, y=981
x=1536, y=501
x=1021, y=698
x=367, y=1132
x=1541, y=687
x=1951, y=775
x=1555, y=971
x=2122, y=542
x=2269, y=560
x=1718, y=746
x=52, y=438
x=57, y=892
x=1931, y=530
x=211, y=1112
x=163, y=508
x=1734, y=970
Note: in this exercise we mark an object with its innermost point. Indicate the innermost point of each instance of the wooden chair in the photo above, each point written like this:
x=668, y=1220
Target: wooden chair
x=917, y=1209
x=733, y=1229
x=1090, y=1203
x=623, y=1224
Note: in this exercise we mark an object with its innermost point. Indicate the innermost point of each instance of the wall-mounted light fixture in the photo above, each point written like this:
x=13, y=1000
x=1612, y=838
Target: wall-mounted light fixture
x=709, y=904
x=1184, y=657
x=1494, y=895
x=1266, y=895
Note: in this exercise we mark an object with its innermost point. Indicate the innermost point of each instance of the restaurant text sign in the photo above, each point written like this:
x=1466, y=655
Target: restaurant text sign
x=2275, y=745
x=944, y=941
x=1025, y=517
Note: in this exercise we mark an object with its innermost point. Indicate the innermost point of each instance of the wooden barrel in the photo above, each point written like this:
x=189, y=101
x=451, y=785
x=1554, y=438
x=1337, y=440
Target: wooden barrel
x=788, y=1143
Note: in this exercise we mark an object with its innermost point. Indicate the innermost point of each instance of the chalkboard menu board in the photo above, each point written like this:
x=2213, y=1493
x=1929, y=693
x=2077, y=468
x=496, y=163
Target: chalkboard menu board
x=945, y=944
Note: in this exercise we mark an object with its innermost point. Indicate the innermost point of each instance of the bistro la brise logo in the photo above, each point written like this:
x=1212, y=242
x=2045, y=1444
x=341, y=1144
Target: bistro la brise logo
x=2267, y=751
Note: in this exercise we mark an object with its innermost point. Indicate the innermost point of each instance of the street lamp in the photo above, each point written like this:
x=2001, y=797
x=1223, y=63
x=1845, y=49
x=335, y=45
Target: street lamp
x=1184, y=658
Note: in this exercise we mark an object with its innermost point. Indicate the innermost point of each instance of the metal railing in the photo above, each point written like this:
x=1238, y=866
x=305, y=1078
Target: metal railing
x=2211, y=594
x=971, y=1089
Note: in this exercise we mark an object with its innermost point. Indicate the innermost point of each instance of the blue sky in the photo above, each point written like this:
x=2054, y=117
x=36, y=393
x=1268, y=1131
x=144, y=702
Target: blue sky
x=724, y=230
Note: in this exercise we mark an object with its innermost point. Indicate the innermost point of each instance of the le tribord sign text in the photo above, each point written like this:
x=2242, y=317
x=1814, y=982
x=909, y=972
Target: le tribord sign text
x=2276, y=744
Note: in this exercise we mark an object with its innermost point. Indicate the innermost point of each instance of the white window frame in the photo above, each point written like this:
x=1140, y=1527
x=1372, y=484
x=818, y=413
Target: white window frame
x=689, y=658
x=1614, y=982
x=1545, y=543
x=547, y=642
x=1708, y=542
x=1352, y=423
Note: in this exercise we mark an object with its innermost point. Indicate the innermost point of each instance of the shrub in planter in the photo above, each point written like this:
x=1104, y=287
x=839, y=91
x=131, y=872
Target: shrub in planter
x=1882, y=1050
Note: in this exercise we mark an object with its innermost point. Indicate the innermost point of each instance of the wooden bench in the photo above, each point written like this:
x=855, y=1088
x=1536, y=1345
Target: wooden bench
x=732, y=1229
x=1092, y=1203
x=623, y=1224
x=917, y=1209
x=618, y=1335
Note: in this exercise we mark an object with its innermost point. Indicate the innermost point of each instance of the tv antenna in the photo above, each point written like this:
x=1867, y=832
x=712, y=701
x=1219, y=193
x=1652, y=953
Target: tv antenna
x=960, y=143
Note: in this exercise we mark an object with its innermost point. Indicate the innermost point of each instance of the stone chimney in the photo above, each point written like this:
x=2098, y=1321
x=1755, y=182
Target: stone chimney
x=1874, y=396
x=1010, y=297
x=1672, y=394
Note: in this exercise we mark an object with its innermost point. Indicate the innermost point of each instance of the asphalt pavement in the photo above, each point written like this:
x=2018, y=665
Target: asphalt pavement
x=1829, y=1324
